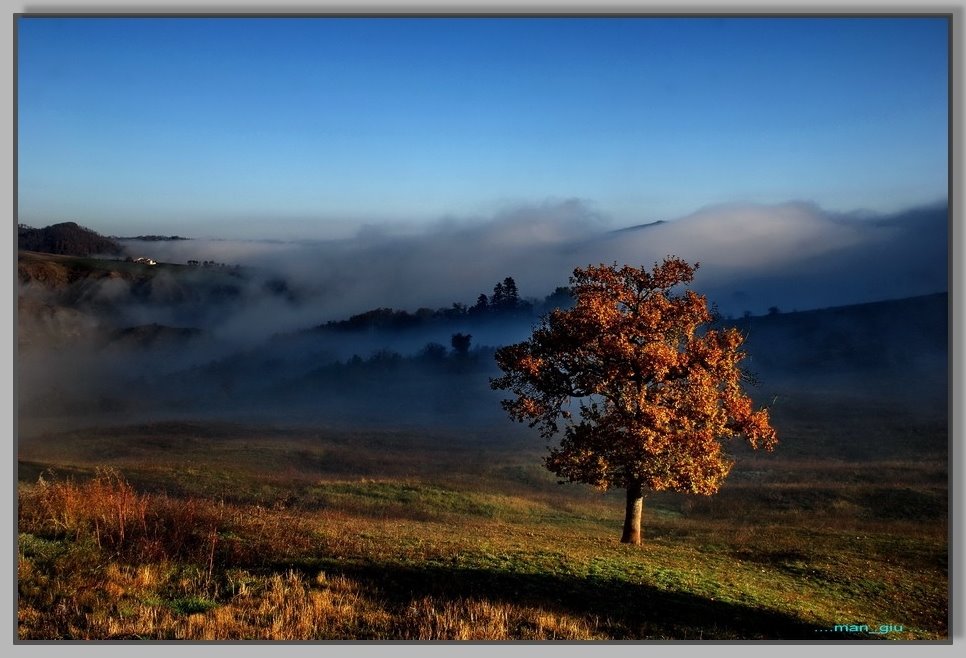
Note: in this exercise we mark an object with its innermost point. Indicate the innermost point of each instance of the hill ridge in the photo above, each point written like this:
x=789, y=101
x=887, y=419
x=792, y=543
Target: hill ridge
x=66, y=238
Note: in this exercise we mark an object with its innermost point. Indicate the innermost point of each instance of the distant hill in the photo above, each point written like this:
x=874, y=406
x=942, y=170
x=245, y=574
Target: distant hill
x=639, y=226
x=892, y=335
x=150, y=238
x=66, y=238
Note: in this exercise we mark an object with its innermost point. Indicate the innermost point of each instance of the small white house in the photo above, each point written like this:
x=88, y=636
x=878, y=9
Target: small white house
x=145, y=261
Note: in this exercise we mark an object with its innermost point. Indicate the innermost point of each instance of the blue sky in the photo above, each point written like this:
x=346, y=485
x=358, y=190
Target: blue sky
x=312, y=127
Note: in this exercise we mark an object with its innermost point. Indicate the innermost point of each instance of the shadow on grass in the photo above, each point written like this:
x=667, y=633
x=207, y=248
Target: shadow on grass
x=618, y=609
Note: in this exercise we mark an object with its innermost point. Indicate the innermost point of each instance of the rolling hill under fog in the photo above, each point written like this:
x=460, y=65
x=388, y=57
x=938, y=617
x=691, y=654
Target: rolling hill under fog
x=333, y=327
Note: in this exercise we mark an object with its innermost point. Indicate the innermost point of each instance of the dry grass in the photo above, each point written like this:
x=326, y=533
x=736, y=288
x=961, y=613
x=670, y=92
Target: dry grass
x=288, y=607
x=777, y=554
x=128, y=525
x=113, y=566
x=100, y=561
x=473, y=619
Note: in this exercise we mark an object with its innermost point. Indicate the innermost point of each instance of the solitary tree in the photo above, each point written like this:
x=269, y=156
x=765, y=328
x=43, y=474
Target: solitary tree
x=656, y=389
x=461, y=343
x=433, y=352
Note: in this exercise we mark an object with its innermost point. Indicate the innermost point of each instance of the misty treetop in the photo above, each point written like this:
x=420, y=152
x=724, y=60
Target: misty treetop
x=461, y=343
x=505, y=297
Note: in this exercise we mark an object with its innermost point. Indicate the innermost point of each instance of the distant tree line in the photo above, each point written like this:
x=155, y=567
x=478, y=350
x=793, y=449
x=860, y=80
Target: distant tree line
x=434, y=355
x=152, y=238
x=504, y=302
x=210, y=263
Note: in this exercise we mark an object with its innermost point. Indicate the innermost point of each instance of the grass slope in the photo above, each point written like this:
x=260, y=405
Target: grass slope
x=220, y=531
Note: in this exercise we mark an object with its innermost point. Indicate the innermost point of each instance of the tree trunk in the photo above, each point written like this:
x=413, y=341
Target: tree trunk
x=632, y=515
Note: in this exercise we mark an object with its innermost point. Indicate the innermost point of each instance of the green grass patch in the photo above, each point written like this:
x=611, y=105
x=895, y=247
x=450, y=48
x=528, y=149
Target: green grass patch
x=394, y=498
x=191, y=605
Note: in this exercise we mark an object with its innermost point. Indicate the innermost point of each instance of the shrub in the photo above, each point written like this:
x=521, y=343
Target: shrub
x=129, y=525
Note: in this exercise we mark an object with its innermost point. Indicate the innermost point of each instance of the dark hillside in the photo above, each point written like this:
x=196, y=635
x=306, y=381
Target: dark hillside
x=887, y=335
x=68, y=239
x=112, y=288
x=127, y=319
x=58, y=271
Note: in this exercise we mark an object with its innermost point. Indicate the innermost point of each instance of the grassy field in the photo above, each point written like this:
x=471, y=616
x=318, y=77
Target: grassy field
x=206, y=530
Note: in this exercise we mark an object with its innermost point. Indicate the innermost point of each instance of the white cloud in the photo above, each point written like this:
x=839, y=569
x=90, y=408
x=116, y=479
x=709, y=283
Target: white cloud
x=793, y=255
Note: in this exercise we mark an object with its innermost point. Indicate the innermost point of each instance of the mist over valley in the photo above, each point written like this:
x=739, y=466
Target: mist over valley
x=363, y=327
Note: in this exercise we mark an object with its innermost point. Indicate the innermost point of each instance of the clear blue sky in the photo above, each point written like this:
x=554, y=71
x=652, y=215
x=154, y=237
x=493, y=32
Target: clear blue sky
x=218, y=126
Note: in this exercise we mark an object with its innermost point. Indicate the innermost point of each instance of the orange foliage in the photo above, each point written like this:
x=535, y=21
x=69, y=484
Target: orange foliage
x=657, y=390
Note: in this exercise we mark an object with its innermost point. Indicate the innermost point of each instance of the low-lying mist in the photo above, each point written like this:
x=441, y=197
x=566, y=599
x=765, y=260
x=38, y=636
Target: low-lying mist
x=753, y=257
x=242, y=332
